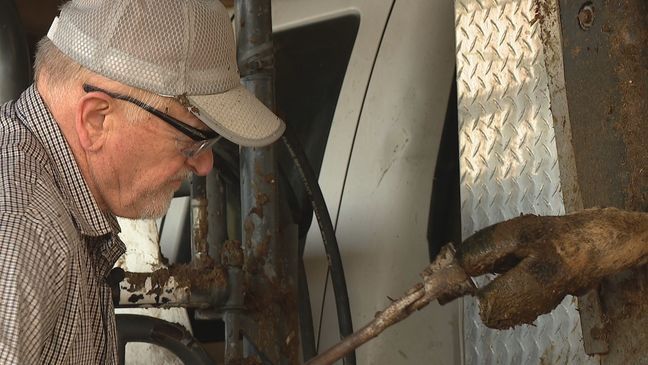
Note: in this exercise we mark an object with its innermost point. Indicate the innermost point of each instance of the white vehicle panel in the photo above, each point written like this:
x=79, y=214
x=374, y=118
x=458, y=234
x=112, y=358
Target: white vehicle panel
x=383, y=207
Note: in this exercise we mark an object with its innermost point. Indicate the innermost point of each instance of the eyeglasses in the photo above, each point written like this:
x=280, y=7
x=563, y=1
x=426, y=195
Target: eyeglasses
x=203, y=139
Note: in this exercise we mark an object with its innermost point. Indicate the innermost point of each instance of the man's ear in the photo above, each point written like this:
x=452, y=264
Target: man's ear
x=90, y=121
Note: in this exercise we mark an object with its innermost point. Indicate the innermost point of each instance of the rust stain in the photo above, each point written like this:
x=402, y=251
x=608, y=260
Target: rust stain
x=626, y=305
x=267, y=300
x=136, y=280
x=260, y=171
x=262, y=248
x=248, y=226
x=200, y=274
x=200, y=225
x=627, y=43
x=232, y=254
x=269, y=178
x=261, y=200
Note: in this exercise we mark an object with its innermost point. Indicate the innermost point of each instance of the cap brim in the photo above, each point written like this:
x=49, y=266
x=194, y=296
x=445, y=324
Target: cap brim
x=239, y=116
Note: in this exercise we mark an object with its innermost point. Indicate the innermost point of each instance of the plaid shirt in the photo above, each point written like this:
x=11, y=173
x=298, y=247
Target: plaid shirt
x=56, y=247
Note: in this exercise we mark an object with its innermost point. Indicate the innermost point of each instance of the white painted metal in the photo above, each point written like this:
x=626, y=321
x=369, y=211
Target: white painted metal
x=509, y=160
x=288, y=14
x=143, y=255
x=383, y=207
x=373, y=15
x=174, y=224
x=383, y=218
x=171, y=292
x=142, y=249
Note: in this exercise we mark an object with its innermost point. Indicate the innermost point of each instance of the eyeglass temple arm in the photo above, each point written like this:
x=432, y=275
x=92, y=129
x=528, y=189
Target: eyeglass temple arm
x=195, y=133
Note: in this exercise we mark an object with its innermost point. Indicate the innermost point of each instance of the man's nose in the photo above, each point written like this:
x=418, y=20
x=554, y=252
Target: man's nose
x=201, y=164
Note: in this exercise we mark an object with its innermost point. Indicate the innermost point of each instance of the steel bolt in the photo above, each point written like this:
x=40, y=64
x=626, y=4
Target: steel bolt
x=586, y=16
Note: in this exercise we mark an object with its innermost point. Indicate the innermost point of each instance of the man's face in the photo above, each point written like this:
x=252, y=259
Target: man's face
x=142, y=163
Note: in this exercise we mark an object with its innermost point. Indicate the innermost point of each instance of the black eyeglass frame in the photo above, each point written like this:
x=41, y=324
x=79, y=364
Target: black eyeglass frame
x=191, y=132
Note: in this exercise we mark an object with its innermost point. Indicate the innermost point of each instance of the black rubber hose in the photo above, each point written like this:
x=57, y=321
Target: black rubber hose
x=305, y=315
x=328, y=236
x=171, y=336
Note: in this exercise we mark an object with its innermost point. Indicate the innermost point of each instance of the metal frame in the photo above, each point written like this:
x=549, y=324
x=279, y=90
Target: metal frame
x=516, y=156
x=248, y=285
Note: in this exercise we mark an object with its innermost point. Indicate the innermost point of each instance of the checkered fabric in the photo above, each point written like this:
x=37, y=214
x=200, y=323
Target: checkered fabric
x=56, y=247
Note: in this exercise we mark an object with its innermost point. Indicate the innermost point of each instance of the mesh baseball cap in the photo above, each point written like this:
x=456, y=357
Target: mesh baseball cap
x=174, y=48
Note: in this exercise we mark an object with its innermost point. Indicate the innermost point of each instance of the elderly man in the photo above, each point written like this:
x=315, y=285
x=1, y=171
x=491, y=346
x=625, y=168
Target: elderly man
x=129, y=97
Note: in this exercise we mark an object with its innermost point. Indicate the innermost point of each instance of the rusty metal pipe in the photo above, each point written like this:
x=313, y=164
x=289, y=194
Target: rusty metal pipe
x=216, y=215
x=232, y=257
x=265, y=268
x=199, y=247
x=178, y=286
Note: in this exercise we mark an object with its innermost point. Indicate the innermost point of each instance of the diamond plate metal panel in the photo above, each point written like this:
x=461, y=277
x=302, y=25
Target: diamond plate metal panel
x=509, y=163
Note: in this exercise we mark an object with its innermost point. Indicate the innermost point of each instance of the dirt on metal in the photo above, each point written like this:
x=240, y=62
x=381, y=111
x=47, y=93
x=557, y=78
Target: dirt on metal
x=268, y=299
x=628, y=43
x=261, y=200
x=203, y=274
x=630, y=307
x=199, y=274
x=137, y=280
x=232, y=253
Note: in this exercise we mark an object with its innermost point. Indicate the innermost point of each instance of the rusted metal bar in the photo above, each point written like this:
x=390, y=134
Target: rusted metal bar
x=188, y=285
x=232, y=257
x=606, y=84
x=443, y=279
x=266, y=285
x=589, y=305
x=199, y=248
x=210, y=230
x=216, y=217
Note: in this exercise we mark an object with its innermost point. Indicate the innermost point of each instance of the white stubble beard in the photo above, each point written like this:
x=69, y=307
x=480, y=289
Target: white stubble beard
x=156, y=203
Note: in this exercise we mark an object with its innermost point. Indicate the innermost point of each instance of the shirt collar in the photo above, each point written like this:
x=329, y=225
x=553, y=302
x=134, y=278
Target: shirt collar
x=91, y=221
